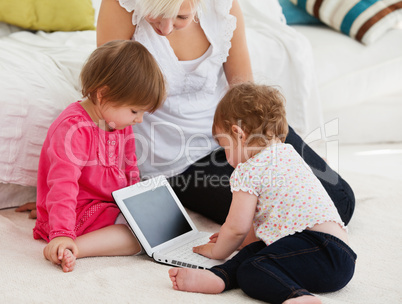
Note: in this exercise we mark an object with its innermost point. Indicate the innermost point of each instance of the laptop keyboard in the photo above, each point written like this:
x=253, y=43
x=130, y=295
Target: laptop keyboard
x=185, y=253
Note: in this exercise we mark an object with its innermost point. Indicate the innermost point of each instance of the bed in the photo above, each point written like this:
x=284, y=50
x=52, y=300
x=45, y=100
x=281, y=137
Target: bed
x=345, y=91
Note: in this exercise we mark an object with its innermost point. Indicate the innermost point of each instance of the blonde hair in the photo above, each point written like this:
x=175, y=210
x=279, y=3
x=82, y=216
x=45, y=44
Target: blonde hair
x=126, y=73
x=258, y=110
x=164, y=8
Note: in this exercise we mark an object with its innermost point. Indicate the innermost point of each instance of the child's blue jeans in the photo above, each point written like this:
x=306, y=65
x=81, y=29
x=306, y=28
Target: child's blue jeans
x=293, y=266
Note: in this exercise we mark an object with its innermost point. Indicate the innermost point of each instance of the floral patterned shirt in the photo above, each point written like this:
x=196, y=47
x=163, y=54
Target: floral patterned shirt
x=290, y=197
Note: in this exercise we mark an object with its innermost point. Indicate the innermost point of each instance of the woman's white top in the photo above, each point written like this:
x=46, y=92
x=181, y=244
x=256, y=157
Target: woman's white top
x=180, y=133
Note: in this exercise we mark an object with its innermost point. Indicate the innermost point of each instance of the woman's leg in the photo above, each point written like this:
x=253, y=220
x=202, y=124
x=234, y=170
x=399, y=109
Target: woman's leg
x=204, y=187
x=297, y=265
x=337, y=188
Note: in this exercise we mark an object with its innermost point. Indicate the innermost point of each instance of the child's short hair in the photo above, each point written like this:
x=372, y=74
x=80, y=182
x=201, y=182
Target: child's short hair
x=258, y=110
x=129, y=73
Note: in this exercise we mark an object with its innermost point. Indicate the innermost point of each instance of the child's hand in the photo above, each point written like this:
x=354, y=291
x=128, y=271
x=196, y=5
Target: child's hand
x=205, y=250
x=55, y=249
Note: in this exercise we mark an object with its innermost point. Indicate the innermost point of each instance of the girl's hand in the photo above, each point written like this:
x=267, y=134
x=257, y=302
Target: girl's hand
x=213, y=238
x=55, y=249
x=205, y=250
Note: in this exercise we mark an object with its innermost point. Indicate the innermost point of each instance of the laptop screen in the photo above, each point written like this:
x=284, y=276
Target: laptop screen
x=157, y=215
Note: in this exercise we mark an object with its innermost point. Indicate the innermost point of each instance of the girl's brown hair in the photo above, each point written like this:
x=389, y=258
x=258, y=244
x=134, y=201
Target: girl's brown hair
x=127, y=74
x=258, y=110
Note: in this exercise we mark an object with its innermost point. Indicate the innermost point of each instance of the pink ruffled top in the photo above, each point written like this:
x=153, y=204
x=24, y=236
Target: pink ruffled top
x=79, y=167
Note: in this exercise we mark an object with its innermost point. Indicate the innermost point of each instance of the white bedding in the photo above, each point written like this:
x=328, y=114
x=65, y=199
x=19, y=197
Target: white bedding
x=39, y=78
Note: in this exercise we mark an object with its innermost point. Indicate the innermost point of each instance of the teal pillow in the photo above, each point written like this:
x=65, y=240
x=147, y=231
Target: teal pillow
x=364, y=20
x=296, y=15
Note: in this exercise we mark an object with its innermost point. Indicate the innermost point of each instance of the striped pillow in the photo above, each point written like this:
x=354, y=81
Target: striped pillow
x=363, y=20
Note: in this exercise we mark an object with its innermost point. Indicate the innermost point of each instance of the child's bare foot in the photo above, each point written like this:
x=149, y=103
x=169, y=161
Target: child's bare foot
x=303, y=300
x=68, y=261
x=196, y=280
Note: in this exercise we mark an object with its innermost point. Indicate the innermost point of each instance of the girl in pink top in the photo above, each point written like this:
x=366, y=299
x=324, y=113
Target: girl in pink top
x=297, y=243
x=89, y=152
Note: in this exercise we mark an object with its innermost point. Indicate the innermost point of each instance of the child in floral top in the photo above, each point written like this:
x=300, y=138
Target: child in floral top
x=297, y=243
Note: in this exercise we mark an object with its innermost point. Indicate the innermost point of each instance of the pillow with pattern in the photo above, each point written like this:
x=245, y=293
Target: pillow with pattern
x=363, y=20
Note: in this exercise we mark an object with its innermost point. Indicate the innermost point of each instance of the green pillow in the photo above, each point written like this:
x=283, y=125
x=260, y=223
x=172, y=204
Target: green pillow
x=49, y=15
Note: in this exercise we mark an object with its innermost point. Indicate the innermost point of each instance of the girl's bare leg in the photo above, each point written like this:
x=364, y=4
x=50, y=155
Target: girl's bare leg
x=112, y=240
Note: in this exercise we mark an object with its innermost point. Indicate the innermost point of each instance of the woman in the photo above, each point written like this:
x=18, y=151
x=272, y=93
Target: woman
x=201, y=47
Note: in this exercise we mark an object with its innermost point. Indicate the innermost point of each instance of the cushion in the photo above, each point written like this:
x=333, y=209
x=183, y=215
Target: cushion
x=48, y=15
x=296, y=15
x=39, y=75
x=364, y=20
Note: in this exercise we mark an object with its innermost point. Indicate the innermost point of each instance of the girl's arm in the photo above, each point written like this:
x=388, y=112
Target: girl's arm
x=130, y=157
x=114, y=22
x=63, y=157
x=234, y=230
x=238, y=66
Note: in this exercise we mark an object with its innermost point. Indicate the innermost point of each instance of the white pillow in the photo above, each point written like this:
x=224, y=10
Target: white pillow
x=7, y=29
x=38, y=79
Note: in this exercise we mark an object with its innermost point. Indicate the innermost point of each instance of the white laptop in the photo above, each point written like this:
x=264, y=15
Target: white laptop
x=162, y=225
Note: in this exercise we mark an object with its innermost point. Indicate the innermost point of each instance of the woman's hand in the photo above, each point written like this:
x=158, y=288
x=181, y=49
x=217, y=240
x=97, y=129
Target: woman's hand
x=55, y=249
x=30, y=206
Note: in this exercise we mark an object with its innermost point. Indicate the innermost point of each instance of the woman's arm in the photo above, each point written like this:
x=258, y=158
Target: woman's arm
x=234, y=230
x=238, y=66
x=114, y=22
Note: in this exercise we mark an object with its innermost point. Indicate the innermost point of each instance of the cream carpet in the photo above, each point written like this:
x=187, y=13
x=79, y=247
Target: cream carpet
x=26, y=277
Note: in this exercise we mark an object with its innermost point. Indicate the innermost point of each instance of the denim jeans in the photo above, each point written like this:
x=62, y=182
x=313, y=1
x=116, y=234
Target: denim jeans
x=293, y=266
x=204, y=186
